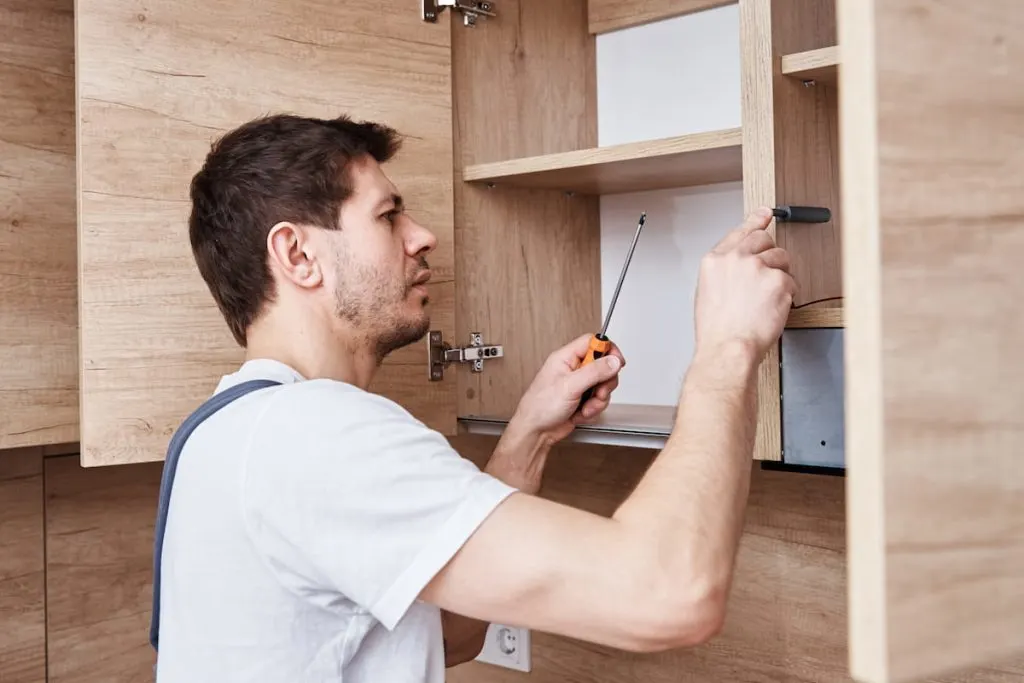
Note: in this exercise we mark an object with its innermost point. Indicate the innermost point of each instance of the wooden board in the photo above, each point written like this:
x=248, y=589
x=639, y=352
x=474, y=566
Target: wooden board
x=813, y=65
x=99, y=570
x=935, y=390
x=22, y=585
x=183, y=73
x=815, y=317
x=38, y=296
x=507, y=235
x=759, y=190
x=686, y=160
x=612, y=15
x=807, y=149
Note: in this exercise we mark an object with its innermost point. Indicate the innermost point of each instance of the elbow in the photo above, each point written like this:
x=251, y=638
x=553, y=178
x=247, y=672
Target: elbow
x=678, y=616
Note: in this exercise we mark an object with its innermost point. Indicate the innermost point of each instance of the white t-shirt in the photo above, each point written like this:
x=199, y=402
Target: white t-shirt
x=304, y=521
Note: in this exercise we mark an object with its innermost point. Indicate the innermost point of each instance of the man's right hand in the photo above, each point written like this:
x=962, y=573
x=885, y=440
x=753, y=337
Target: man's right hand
x=744, y=291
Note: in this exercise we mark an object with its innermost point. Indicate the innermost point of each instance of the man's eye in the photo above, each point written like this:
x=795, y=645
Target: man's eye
x=390, y=216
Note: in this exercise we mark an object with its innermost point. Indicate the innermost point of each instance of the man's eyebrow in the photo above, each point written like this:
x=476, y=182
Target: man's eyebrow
x=393, y=198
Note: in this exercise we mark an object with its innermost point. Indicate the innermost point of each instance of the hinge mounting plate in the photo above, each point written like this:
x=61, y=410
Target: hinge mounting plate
x=441, y=353
x=471, y=10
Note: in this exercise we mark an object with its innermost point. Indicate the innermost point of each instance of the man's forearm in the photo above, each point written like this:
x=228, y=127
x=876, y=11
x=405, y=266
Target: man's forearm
x=519, y=458
x=691, y=501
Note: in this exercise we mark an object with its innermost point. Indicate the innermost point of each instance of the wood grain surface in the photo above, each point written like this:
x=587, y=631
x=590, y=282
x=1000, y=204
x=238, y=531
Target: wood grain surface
x=931, y=104
x=158, y=81
x=612, y=15
x=22, y=570
x=510, y=237
x=683, y=161
x=38, y=272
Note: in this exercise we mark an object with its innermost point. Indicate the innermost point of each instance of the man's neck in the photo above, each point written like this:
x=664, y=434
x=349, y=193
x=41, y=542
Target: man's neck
x=316, y=354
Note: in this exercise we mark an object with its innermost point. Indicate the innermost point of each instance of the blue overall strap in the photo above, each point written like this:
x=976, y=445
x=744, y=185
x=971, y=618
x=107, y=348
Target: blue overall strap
x=211, y=406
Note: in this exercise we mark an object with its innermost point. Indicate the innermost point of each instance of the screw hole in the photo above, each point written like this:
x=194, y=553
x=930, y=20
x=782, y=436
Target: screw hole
x=823, y=443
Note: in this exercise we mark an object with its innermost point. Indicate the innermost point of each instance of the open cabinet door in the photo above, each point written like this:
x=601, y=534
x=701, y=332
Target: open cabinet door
x=932, y=129
x=158, y=81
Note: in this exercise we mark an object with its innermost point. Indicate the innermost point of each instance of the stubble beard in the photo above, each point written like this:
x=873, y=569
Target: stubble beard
x=375, y=306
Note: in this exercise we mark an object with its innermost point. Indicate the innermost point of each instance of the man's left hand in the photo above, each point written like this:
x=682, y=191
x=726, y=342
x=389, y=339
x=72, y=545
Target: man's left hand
x=550, y=405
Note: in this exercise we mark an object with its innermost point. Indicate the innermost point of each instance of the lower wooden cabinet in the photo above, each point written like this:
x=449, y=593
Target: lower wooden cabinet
x=535, y=139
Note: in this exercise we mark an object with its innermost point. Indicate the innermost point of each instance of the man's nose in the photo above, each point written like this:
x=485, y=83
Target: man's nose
x=420, y=239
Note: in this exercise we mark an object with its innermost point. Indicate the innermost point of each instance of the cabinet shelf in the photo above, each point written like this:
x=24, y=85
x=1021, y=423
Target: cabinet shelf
x=816, y=317
x=817, y=65
x=625, y=424
x=681, y=161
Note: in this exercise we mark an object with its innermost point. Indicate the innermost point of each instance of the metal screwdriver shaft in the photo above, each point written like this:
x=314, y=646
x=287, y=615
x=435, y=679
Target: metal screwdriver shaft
x=599, y=343
x=622, y=275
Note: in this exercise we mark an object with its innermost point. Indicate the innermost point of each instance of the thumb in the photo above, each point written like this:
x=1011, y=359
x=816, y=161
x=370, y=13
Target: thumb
x=591, y=375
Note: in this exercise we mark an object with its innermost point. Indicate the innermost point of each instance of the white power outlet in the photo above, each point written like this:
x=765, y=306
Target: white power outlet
x=506, y=646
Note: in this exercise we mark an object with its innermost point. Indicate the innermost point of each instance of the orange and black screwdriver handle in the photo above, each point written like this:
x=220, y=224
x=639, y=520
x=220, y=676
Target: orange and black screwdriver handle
x=599, y=347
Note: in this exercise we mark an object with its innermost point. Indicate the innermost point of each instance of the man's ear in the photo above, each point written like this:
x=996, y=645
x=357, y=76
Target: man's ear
x=293, y=255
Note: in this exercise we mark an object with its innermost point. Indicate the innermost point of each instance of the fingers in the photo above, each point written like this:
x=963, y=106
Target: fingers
x=756, y=220
x=601, y=370
x=776, y=258
x=756, y=242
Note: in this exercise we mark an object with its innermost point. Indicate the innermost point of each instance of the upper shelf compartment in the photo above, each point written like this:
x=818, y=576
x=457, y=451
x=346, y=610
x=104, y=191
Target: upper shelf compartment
x=681, y=161
x=817, y=65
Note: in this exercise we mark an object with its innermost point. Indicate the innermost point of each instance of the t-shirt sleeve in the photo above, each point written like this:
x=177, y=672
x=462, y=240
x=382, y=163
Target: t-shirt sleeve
x=345, y=491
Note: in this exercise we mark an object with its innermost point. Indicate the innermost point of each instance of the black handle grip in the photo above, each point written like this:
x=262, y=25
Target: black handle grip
x=589, y=392
x=803, y=214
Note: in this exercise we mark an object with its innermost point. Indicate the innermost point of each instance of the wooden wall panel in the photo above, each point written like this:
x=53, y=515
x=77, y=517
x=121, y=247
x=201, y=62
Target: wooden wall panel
x=524, y=84
x=787, y=618
x=158, y=82
x=38, y=272
x=931, y=172
x=22, y=570
x=99, y=570
x=612, y=15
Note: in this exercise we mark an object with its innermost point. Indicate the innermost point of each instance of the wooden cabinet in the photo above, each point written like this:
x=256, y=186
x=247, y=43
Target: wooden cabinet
x=534, y=140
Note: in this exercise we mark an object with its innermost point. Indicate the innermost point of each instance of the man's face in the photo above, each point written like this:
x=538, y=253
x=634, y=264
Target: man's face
x=379, y=271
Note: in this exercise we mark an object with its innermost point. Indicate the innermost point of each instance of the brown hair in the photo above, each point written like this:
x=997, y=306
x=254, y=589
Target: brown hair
x=276, y=168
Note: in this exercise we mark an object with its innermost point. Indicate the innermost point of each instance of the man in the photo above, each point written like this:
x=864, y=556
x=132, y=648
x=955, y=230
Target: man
x=319, y=532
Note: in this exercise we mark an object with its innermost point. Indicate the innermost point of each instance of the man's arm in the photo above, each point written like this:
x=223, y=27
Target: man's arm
x=518, y=460
x=657, y=573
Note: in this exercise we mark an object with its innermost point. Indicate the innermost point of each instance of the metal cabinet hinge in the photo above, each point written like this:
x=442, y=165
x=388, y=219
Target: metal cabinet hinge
x=442, y=354
x=471, y=10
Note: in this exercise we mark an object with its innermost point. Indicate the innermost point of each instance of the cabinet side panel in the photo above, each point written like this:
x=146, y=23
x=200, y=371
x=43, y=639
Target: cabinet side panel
x=22, y=584
x=158, y=82
x=99, y=559
x=806, y=129
x=528, y=260
x=38, y=292
x=807, y=150
x=942, y=548
x=863, y=406
x=759, y=188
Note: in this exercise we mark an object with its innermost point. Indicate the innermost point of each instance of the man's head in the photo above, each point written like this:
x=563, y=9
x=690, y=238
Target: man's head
x=296, y=212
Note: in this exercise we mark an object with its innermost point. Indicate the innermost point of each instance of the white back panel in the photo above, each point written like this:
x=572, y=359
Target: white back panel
x=671, y=77
x=653, y=320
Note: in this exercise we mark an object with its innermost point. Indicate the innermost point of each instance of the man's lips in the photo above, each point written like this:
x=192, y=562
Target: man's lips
x=422, y=279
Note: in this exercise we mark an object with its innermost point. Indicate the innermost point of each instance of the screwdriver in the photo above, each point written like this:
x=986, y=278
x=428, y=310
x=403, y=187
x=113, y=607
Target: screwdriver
x=599, y=343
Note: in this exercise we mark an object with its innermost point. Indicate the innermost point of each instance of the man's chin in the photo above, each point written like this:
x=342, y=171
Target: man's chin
x=410, y=333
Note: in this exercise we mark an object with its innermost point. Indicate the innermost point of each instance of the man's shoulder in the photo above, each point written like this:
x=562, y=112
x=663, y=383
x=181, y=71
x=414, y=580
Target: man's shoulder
x=335, y=400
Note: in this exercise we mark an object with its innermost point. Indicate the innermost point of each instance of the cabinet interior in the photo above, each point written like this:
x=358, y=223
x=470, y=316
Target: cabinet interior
x=564, y=137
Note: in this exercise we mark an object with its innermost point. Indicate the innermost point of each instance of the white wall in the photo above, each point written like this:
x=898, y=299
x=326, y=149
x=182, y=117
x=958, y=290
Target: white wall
x=696, y=88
